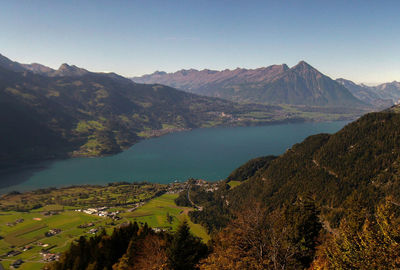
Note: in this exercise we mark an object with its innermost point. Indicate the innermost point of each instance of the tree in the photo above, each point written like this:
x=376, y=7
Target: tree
x=185, y=250
x=151, y=253
x=375, y=244
x=256, y=239
x=303, y=217
x=169, y=218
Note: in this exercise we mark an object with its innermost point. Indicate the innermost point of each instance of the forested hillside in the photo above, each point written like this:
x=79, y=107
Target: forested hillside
x=355, y=168
x=132, y=247
x=351, y=178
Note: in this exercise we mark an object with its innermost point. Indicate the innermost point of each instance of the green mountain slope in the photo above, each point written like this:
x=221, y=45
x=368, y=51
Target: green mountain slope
x=350, y=171
x=355, y=167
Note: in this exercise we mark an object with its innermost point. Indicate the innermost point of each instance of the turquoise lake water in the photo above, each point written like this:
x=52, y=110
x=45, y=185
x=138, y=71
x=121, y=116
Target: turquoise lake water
x=209, y=154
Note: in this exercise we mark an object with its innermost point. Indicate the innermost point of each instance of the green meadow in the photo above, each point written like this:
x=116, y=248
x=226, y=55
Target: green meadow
x=160, y=212
x=155, y=213
x=234, y=184
x=31, y=232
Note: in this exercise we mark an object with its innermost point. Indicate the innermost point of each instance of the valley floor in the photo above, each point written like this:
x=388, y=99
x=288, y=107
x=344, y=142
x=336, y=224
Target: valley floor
x=39, y=235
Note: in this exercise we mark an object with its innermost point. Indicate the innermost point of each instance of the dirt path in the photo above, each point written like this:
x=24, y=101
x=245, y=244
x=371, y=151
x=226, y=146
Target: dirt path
x=325, y=169
x=190, y=200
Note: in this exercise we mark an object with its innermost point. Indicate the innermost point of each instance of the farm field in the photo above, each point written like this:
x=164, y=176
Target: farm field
x=24, y=232
x=155, y=213
x=31, y=232
x=80, y=196
x=234, y=184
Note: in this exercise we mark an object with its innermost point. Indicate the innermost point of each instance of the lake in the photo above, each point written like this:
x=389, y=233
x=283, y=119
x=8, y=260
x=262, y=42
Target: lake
x=209, y=154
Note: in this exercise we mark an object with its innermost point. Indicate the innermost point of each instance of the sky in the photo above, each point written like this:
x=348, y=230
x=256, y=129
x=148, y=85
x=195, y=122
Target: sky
x=356, y=40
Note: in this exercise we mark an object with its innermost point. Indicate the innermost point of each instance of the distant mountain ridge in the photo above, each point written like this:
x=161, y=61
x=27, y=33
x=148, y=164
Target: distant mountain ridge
x=192, y=78
x=389, y=90
x=64, y=70
x=383, y=95
x=47, y=113
x=276, y=84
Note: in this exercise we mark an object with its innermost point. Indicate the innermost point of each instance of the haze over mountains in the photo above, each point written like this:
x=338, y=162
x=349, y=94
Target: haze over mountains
x=383, y=95
x=276, y=84
x=71, y=111
x=46, y=113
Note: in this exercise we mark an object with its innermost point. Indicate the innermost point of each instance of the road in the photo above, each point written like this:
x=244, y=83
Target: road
x=200, y=208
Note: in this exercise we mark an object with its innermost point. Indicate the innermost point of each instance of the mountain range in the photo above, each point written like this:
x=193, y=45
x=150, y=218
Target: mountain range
x=47, y=113
x=278, y=84
x=382, y=95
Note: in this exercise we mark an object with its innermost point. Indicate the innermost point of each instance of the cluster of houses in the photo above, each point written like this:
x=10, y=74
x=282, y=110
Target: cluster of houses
x=13, y=253
x=210, y=187
x=17, y=263
x=11, y=224
x=46, y=255
x=51, y=213
x=40, y=244
x=50, y=257
x=157, y=229
x=177, y=187
x=52, y=232
x=93, y=231
x=26, y=248
x=87, y=225
x=101, y=212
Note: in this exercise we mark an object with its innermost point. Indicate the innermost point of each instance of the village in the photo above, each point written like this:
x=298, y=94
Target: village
x=48, y=240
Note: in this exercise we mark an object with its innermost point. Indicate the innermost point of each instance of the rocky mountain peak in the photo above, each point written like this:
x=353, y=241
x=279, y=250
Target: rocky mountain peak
x=70, y=70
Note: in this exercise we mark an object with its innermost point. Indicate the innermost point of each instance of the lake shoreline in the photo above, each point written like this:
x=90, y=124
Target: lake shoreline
x=197, y=156
x=5, y=168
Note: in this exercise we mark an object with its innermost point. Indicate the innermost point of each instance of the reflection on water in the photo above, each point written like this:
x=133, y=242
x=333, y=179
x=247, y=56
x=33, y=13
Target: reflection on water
x=17, y=175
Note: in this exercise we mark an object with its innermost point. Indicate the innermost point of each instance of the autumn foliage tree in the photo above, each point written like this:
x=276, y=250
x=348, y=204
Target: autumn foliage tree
x=375, y=244
x=256, y=239
x=146, y=253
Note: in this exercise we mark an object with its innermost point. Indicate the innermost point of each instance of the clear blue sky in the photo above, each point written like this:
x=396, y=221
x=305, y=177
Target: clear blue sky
x=358, y=40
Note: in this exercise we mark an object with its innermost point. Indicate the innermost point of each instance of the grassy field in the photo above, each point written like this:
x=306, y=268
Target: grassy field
x=154, y=213
x=32, y=226
x=234, y=184
x=52, y=199
x=32, y=232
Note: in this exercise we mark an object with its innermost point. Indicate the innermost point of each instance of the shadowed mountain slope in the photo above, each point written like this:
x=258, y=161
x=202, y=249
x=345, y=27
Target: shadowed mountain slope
x=74, y=112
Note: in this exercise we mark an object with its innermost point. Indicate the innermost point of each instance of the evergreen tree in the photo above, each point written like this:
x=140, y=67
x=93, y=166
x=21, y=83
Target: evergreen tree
x=303, y=217
x=185, y=250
